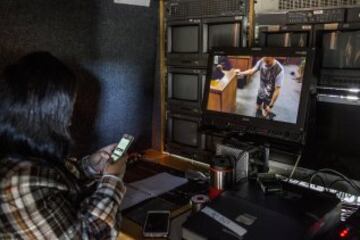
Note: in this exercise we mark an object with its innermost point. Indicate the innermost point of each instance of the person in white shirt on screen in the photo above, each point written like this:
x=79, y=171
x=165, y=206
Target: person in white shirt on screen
x=271, y=78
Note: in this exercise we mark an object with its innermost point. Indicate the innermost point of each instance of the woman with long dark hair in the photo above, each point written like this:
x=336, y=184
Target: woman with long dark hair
x=42, y=194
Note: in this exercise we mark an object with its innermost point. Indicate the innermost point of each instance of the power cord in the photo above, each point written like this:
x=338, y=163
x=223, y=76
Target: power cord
x=343, y=177
x=295, y=166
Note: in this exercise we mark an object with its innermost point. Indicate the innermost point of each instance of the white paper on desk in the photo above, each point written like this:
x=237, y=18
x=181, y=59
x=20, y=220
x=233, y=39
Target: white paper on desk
x=150, y=187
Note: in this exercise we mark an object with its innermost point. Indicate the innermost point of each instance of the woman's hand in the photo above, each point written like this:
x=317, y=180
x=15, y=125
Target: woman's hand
x=117, y=168
x=98, y=160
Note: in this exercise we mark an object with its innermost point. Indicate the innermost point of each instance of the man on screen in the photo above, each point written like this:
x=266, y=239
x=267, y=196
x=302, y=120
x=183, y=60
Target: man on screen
x=271, y=78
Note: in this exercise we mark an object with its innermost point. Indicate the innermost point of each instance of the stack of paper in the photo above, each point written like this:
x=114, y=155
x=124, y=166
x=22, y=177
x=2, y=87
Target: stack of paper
x=150, y=187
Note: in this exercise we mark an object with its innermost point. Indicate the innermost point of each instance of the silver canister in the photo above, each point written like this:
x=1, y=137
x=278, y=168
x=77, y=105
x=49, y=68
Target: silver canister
x=222, y=172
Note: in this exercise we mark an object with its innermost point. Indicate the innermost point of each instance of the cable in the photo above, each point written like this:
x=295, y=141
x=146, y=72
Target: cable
x=343, y=177
x=295, y=166
x=322, y=180
x=334, y=182
x=351, y=182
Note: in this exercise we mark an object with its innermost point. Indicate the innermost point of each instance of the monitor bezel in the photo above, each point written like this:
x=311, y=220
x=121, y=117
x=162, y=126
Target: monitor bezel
x=229, y=119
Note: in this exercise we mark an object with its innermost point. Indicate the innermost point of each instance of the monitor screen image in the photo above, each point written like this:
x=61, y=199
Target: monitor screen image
x=185, y=39
x=185, y=132
x=260, y=87
x=224, y=35
x=185, y=87
x=341, y=50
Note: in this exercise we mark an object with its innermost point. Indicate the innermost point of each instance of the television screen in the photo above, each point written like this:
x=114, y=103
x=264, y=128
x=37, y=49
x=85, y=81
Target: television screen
x=224, y=35
x=276, y=40
x=185, y=87
x=299, y=39
x=257, y=86
x=185, y=39
x=294, y=39
x=341, y=50
x=185, y=132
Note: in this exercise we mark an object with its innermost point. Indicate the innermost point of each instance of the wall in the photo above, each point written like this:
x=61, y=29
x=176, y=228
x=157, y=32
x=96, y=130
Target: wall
x=262, y=6
x=111, y=47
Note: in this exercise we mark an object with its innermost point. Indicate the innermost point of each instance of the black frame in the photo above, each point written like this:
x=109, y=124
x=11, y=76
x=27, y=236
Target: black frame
x=181, y=104
x=277, y=29
x=342, y=76
x=184, y=59
x=259, y=126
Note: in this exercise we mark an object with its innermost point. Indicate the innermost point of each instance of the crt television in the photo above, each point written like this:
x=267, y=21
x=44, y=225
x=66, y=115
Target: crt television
x=273, y=99
x=223, y=32
x=185, y=88
x=184, y=43
x=285, y=36
x=339, y=54
x=183, y=130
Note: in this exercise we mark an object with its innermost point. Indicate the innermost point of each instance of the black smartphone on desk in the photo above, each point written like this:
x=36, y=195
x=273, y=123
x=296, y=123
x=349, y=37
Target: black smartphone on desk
x=157, y=224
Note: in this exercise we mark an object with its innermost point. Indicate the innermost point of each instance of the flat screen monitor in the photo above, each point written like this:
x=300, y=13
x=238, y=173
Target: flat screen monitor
x=224, y=35
x=185, y=132
x=264, y=88
x=341, y=49
x=185, y=38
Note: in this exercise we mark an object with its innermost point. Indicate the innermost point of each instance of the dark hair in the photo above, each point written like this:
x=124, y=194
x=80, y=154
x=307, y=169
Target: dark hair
x=37, y=97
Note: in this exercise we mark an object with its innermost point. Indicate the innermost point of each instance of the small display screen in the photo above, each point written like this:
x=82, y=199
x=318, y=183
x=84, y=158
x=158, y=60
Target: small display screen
x=120, y=148
x=185, y=132
x=341, y=50
x=299, y=39
x=185, y=87
x=263, y=87
x=275, y=40
x=295, y=39
x=157, y=223
x=185, y=39
x=224, y=35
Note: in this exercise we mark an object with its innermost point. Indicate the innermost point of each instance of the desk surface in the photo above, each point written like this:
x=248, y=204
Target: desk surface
x=177, y=201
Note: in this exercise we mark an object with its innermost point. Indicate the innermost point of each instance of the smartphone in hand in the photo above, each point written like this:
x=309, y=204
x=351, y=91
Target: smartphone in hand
x=122, y=147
